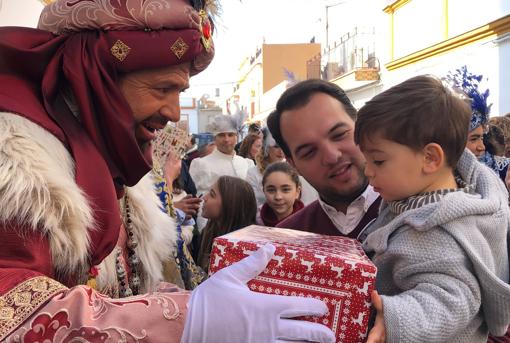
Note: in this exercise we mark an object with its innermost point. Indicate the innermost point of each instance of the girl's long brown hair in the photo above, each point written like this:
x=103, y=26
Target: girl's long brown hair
x=238, y=209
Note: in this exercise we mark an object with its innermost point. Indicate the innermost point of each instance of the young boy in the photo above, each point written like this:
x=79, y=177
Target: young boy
x=440, y=241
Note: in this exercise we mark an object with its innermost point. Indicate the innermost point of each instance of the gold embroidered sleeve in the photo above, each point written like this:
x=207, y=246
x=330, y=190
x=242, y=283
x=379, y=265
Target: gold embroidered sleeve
x=23, y=300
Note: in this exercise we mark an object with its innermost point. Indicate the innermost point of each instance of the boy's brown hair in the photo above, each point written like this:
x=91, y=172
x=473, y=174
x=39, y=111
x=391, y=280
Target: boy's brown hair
x=415, y=113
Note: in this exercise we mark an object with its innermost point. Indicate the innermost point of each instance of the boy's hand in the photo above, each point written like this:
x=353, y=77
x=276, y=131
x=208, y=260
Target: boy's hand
x=378, y=332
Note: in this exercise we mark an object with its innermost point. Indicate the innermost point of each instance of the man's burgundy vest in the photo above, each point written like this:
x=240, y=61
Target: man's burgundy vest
x=312, y=218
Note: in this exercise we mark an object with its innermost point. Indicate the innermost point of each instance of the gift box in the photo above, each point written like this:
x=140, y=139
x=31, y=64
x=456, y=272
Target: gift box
x=333, y=269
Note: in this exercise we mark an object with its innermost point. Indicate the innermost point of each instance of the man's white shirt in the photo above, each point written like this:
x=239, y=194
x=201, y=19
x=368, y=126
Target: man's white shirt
x=347, y=222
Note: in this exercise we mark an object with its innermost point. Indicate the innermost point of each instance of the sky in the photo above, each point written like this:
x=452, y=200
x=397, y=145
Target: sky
x=241, y=28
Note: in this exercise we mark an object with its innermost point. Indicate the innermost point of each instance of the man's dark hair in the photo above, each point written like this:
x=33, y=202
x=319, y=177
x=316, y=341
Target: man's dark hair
x=415, y=113
x=299, y=96
x=254, y=127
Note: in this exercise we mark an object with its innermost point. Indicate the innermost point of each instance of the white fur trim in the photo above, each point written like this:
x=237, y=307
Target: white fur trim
x=155, y=230
x=38, y=189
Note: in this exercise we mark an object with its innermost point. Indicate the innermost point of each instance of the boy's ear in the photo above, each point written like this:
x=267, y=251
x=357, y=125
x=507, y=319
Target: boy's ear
x=433, y=158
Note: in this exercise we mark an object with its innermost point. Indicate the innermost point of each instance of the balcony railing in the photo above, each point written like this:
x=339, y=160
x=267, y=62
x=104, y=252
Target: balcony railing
x=354, y=51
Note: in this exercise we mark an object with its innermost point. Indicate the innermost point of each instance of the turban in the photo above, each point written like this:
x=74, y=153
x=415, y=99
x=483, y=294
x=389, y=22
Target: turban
x=223, y=123
x=182, y=33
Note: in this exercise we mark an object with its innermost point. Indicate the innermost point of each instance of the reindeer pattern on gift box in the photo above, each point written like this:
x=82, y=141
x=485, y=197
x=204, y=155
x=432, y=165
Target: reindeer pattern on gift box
x=342, y=280
x=322, y=258
x=364, y=289
x=279, y=259
x=217, y=260
x=338, y=271
x=307, y=264
x=358, y=320
x=293, y=253
x=221, y=248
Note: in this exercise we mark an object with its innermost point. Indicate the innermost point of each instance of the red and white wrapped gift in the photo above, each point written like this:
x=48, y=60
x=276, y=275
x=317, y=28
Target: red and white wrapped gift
x=333, y=269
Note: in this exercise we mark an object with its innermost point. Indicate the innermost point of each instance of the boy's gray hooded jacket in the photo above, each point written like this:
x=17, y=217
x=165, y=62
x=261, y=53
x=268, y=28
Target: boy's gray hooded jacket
x=443, y=268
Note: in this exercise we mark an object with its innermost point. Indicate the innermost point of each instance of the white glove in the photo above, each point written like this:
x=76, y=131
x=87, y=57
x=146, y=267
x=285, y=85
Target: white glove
x=223, y=309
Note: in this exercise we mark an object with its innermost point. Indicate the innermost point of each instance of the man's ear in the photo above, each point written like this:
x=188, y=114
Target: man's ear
x=433, y=158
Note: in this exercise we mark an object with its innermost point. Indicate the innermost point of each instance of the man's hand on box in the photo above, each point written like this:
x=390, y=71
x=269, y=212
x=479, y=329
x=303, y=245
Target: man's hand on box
x=223, y=309
x=378, y=332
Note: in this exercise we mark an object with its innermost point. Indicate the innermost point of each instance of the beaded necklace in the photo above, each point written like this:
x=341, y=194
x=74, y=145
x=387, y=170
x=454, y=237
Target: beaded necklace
x=132, y=287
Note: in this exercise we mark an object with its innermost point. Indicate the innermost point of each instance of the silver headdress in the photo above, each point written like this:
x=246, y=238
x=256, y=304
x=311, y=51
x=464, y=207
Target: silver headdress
x=228, y=123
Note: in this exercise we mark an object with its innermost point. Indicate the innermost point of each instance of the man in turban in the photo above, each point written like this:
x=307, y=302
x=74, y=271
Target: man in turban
x=81, y=98
x=223, y=160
